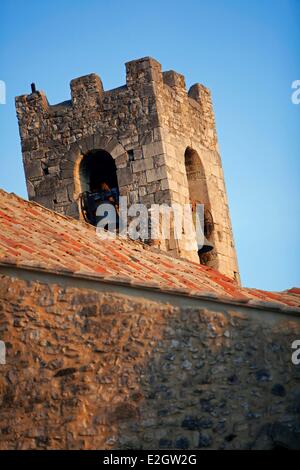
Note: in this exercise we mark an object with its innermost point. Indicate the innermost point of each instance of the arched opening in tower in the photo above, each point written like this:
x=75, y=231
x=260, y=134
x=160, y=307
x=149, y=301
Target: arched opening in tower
x=198, y=194
x=97, y=167
x=99, y=184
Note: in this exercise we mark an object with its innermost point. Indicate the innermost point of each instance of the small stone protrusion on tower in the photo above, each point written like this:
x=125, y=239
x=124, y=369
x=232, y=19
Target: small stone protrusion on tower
x=202, y=96
x=31, y=110
x=174, y=79
x=87, y=91
x=195, y=92
x=141, y=71
x=35, y=102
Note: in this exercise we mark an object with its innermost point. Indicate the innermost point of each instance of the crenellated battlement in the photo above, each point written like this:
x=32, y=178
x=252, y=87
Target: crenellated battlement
x=146, y=127
x=142, y=76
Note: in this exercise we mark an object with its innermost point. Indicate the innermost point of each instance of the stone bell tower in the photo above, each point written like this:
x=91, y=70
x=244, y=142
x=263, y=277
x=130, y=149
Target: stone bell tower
x=151, y=137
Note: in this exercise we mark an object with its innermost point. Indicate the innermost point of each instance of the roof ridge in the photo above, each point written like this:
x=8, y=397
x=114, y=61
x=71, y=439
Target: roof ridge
x=33, y=235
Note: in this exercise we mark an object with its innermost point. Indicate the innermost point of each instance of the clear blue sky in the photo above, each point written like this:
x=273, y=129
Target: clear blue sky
x=246, y=51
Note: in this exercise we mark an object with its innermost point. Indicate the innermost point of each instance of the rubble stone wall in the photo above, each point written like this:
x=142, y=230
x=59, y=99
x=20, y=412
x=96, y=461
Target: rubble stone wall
x=99, y=370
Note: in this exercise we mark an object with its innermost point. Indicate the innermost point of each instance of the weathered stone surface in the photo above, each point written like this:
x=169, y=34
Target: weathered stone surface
x=92, y=370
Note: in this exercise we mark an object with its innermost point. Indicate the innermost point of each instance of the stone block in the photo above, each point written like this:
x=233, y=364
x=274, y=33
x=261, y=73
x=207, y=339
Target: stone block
x=33, y=169
x=152, y=149
x=122, y=160
x=53, y=170
x=137, y=154
x=125, y=176
x=156, y=174
x=117, y=151
x=174, y=79
x=61, y=195
x=164, y=184
x=142, y=165
x=30, y=189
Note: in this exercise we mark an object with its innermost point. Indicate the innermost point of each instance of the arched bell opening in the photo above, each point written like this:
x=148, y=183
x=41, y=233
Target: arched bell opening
x=99, y=184
x=97, y=167
x=198, y=194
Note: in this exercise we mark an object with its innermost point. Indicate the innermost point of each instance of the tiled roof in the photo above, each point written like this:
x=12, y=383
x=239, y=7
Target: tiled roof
x=32, y=236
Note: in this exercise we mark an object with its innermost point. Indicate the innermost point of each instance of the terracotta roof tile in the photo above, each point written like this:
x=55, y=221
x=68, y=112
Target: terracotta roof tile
x=33, y=236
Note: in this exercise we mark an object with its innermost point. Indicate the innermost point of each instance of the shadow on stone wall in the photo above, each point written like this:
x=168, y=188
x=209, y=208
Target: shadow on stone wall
x=87, y=370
